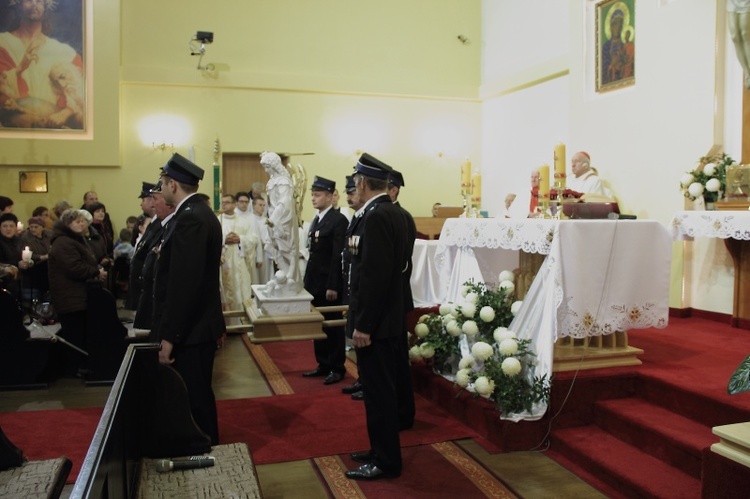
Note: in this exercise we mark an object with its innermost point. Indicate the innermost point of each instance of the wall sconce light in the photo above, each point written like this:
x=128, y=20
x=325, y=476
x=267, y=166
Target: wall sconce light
x=162, y=147
x=197, y=46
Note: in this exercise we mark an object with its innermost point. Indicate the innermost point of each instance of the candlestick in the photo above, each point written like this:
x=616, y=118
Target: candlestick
x=476, y=189
x=559, y=182
x=26, y=254
x=544, y=182
x=466, y=176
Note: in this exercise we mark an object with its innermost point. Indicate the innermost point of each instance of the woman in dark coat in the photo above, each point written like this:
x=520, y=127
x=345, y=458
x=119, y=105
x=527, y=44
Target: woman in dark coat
x=72, y=263
x=10, y=251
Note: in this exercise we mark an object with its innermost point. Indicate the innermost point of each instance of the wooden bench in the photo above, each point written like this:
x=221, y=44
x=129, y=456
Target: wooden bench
x=26, y=479
x=147, y=415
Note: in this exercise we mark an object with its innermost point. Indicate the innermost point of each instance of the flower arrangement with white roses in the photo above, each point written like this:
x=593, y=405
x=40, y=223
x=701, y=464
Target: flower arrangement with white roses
x=500, y=367
x=708, y=183
x=503, y=372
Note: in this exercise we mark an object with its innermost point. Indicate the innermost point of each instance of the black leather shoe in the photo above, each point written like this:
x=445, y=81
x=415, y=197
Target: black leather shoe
x=333, y=378
x=360, y=395
x=318, y=371
x=356, y=387
x=362, y=457
x=370, y=472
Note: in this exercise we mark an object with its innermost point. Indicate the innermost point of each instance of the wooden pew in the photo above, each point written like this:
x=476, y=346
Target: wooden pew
x=146, y=415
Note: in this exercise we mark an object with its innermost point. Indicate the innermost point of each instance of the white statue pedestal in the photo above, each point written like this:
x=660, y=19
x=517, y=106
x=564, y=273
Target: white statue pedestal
x=284, y=317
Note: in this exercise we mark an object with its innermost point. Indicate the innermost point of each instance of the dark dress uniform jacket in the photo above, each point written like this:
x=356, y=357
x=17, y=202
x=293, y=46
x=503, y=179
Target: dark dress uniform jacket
x=411, y=235
x=188, y=266
x=144, y=246
x=323, y=270
x=378, y=248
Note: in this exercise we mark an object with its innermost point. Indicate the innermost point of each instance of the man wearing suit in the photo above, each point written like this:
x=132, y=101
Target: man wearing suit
x=378, y=248
x=405, y=385
x=187, y=302
x=323, y=278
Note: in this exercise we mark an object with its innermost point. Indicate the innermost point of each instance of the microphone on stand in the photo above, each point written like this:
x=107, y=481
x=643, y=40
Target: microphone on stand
x=185, y=463
x=621, y=216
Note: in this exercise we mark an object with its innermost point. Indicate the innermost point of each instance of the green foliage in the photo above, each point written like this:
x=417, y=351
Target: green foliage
x=498, y=299
x=445, y=345
x=740, y=380
x=720, y=173
x=517, y=393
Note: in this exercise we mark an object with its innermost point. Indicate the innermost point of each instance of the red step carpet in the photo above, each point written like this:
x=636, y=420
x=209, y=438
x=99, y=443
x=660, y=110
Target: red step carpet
x=644, y=431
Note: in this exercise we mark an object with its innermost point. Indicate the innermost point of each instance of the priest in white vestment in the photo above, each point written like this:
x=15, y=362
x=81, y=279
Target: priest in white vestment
x=585, y=179
x=238, y=257
x=263, y=271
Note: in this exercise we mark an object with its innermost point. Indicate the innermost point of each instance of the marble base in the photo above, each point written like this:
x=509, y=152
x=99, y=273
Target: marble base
x=283, y=318
x=267, y=304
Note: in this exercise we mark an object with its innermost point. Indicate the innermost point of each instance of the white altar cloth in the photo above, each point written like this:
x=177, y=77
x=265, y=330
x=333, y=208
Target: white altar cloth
x=600, y=276
x=687, y=225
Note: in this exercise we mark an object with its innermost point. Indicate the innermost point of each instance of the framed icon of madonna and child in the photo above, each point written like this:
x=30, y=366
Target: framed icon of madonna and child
x=44, y=76
x=615, y=44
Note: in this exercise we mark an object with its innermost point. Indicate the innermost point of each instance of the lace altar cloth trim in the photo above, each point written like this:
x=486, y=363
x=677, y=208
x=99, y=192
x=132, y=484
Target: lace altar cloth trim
x=529, y=235
x=717, y=224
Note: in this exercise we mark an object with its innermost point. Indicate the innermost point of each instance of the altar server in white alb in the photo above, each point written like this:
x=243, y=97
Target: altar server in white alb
x=238, y=256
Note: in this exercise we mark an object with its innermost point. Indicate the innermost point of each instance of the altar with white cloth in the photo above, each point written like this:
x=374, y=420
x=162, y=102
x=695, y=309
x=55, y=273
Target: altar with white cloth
x=599, y=279
x=734, y=228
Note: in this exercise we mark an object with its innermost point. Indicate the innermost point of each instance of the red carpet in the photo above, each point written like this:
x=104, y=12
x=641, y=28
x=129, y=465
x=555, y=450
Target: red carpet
x=51, y=434
x=643, y=431
x=294, y=427
x=443, y=470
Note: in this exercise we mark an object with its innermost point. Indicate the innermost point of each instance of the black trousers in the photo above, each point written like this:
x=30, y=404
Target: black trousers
x=378, y=370
x=330, y=353
x=195, y=363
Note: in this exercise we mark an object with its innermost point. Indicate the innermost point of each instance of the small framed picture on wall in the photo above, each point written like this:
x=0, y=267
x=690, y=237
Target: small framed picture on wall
x=615, y=44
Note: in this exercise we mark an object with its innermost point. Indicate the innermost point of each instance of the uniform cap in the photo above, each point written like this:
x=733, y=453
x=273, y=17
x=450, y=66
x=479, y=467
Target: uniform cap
x=323, y=184
x=146, y=189
x=370, y=166
x=396, y=178
x=182, y=170
x=350, y=185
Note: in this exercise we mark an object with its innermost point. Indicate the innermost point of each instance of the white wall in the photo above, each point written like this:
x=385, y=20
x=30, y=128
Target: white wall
x=641, y=138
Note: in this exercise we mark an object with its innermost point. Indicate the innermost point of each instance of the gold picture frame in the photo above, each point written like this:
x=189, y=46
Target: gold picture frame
x=33, y=182
x=615, y=44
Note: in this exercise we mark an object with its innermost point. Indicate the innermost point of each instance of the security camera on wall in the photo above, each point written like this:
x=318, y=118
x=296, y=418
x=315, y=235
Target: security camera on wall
x=205, y=36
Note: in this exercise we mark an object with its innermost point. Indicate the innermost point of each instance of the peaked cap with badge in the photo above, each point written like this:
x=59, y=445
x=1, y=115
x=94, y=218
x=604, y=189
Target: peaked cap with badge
x=182, y=170
x=371, y=166
x=146, y=189
x=323, y=184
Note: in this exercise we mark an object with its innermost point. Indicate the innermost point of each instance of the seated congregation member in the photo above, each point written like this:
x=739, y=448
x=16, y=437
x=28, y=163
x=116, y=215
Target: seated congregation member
x=71, y=265
x=10, y=251
x=323, y=279
x=37, y=238
x=238, y=257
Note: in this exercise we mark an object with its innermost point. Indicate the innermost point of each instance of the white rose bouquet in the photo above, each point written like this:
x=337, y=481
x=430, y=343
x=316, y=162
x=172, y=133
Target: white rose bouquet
x=708, y=182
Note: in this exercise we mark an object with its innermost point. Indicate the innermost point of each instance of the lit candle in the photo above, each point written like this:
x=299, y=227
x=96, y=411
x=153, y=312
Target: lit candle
x=560, y=165
x=476, y=188
x=466, y=176
x=19, y=226
x=26, y=254
x=544, y=182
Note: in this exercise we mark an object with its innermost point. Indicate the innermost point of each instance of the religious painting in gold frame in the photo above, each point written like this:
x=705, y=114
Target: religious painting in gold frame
x=45, y=84
x=615, y=44
x=35, y=182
